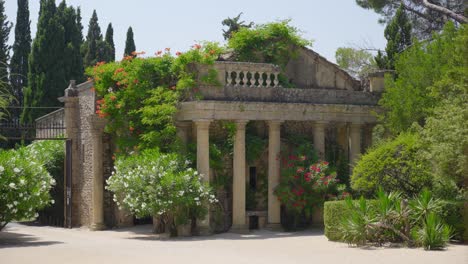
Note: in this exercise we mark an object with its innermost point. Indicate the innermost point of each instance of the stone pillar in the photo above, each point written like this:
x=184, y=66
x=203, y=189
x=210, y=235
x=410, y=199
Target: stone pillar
x=72, y=119
x=183, y=131
x=203, y=164
x=239, y=179
x=97, y=129
x=319, y=138
x=274, y=146
x=367, y=131
x=355, y=143
x=342, y=139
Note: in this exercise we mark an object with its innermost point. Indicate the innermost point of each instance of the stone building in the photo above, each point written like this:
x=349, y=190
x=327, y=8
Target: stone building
x=326, y=104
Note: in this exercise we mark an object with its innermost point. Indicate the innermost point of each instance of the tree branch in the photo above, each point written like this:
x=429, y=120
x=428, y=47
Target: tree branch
x=457, y=17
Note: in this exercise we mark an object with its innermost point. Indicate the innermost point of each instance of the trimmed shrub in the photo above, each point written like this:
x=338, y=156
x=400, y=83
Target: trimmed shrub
x=394, y=165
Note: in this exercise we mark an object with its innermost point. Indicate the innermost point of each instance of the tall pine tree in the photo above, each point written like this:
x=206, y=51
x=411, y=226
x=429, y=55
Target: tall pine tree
x=129, y=43
x=398, y=35
x=21, y=50
x=73, y=40
x=93, y=47
x=110, y=47
x=5, y=28
x=46, y=75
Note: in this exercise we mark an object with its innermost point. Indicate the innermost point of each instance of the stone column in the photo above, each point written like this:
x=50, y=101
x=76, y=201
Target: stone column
x=367, y=131
x=183, y=131
x=97, y=129
x=355, y=143
x=319, y=138
x=342, y=139
x=203, y=164
x=72, y=119
x=274, y=146
x=238, y=185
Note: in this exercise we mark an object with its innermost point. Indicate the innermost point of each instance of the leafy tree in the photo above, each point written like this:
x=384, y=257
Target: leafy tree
x=394, y=165
x=46, y=75
x=129, y=43
x=110, y=47
x=426, y=16
x=92, y=50
x=5, y=28
x=413, y=95
x=234, y=25
x=21, y=50
x=356, y=62
x=398, y=35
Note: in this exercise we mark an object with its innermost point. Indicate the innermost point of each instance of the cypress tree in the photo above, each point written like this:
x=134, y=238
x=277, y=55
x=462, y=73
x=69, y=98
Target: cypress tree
x=21, y=50
x=129, y=43
x=5, y=28
x=398, y=35
x=109, y=39
x=93, y=51
x=46, y=75
x=73, y=40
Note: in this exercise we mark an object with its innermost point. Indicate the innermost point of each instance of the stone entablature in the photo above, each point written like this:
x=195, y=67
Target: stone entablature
x=220, y=110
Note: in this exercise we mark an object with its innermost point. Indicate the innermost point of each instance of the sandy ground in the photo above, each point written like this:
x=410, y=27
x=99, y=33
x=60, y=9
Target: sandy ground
x=30, y=244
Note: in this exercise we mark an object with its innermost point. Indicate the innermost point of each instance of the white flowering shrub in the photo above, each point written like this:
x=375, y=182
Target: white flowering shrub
x=24, y=185
x=151, y=183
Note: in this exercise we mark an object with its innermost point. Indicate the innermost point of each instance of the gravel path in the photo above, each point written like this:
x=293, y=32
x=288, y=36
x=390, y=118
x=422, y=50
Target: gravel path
x=30, y=244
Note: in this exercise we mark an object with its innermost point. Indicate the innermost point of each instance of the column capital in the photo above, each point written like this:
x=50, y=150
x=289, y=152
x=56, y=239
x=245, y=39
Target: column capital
x=202, y=123
x=274, y=123
x=183, y=124
x=321, y=123
x=240, y=124
x=355, y=125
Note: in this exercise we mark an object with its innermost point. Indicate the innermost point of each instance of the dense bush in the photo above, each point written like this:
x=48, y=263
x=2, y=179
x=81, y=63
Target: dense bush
x=24, y=184
x=151, y=183
x=394, y=165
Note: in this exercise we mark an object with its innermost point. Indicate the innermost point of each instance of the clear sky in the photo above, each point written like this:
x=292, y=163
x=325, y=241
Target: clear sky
x=178, y=24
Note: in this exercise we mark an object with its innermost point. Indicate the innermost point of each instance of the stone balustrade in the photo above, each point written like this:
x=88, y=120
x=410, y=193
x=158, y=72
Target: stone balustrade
x=252, y=75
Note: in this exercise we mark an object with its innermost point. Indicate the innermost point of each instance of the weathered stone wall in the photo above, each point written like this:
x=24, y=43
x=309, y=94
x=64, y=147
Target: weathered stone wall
x=310, y=70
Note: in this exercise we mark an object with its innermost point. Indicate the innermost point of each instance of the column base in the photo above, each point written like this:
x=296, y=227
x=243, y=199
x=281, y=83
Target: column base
x=239, y=229
x=274, y=227
x=204, y=231
x=97, y=227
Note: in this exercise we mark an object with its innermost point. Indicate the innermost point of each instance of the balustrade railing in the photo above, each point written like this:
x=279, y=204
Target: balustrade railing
x=254, y=75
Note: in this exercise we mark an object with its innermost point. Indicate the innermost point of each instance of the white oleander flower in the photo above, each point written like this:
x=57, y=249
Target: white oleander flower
x=12, y=185
x=2, y=169
x=16, y=170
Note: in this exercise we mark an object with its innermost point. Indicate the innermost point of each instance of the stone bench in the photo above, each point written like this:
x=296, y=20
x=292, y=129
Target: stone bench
x=262, y=218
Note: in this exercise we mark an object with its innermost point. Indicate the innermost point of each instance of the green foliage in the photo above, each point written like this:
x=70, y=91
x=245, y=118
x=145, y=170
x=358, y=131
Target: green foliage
x=93, y=48
x=356, y=62
x=21, y=50
x=139, y=96
x=154, y=184
x=357, y=227
x=268, y=43
x=25, y=180
x=428, y=73
x=434, y=234
x=110, y=46
x=130, y=47
x=5, y=27
x=394, y=165
x=54, y=59
x=234, y=25
x=333, y=213
x=398, y=35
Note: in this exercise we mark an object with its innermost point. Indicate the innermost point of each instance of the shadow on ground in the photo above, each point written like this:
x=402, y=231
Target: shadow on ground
x=12, y=239
x=144, y=233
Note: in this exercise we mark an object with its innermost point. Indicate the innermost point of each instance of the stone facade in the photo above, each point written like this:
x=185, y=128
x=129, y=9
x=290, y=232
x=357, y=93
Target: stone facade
x=327, y=105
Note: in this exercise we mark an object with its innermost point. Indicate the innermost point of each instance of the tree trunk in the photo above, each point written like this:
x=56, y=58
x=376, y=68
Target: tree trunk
x=457, y=17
